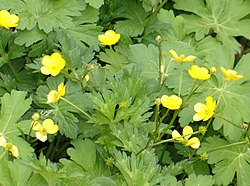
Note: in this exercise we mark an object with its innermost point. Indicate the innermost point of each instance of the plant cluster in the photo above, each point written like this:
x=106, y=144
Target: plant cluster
x=131, y=92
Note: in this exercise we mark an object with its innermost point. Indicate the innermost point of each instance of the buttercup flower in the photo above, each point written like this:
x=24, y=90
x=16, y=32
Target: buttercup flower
x=86, y=77
x=182, y=57
x=54, y=95
x=8, y=20
x=200, y=73
x=13, y=149
x=171, y=102
x=204, y=111
x=53, y=64
x=109, y=38
x=187, y=131
x=47, y=127
x=213, y=70
x=231, y=74
x=9, y=146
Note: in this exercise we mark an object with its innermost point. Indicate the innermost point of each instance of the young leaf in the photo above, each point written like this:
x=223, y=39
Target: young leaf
x=203, y=180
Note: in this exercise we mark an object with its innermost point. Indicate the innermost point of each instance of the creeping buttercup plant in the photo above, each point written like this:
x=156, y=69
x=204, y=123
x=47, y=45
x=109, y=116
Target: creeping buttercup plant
x=132, y=92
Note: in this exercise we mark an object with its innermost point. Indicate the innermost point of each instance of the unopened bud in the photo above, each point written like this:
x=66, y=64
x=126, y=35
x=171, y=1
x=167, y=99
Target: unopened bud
x=164, y=53
x=158, y=101
x=35, y=116
x=158, y=38
x=202, y=130
x=91, y=67
x=212, y=70
x=204, y=156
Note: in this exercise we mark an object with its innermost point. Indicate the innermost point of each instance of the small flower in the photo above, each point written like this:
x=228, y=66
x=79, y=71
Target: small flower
x=231, y=74
x=109, y=38
x=199, y=73
x=8, y=20
x=13, y=149
x=204, y=111
x=182, y=57
x=171, y=102
x=54, y=95
x=47, y=127
x=35, y=116
x=213, y=70
x=86, y=77
x=53, y=64
x=187, y=131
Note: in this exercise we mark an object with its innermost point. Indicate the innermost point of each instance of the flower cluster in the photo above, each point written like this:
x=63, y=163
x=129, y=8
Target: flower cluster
x=8, y=20
x=54, y=95
x=109, y=38
x=47, y=127
x=9, y=146
x=52, y=64
x=187, y=131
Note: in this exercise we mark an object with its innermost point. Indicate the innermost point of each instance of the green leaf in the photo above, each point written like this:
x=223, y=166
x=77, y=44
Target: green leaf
x=227, y=161
x=83, y=154
x=13, y=173
x=199, y=180
x=29, y=37
x=95, y=3
x=13, y=106
x=134, y=15
x=216, y=15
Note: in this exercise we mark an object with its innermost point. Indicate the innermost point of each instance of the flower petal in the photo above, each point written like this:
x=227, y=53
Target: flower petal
x=176, y=135
x=49, y=126
x=42, y=136
x=194, y=143
x=187, y=132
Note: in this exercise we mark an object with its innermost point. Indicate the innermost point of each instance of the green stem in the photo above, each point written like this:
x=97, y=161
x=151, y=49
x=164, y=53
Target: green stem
x=56, y=147
x=221, y=117
x=191, y=92
x=180, y=84
x=176, y=112
x=154, y=13
x=160, y=62
x=156, y=128
x=119, y=63
x=226, y=146
x=73, y=105
x=14, y=71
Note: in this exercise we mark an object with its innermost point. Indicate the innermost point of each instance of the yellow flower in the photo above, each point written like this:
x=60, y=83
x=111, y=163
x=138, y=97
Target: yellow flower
x=14, y=150
x=213, y=70
x=109, y=38
x=8, y=20
x=47, y=127
x=231, y=74
x=204, y=111
x=53, y=64
x=182, y=57
x=35, y=116
x=187, y=131
x=54, y=95
x=200, y=73
x=171, y=102
x=86, y=77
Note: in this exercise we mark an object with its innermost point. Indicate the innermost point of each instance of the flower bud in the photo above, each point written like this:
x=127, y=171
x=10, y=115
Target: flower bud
x=35, y=116
x=158, y=39
x=202, y=130
x=212, y=70
x=204, y=156
x=158, y=101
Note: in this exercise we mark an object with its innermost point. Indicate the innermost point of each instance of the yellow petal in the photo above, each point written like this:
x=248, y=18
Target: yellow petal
x=174, y=54
x=173, y=102
x=194, y=143
x=199, y=73
x=187, y=132
x=45, y=70
x=42, y=136
x=14, y=151
x=36, y=126
x=8, y=20
x=109, y=38
x=49, y=126
x=189, y=58
x=231, y=74
x=176, y=135
x=86, y=77
x=2, y=141
x=61, y=89
x=53, y=97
